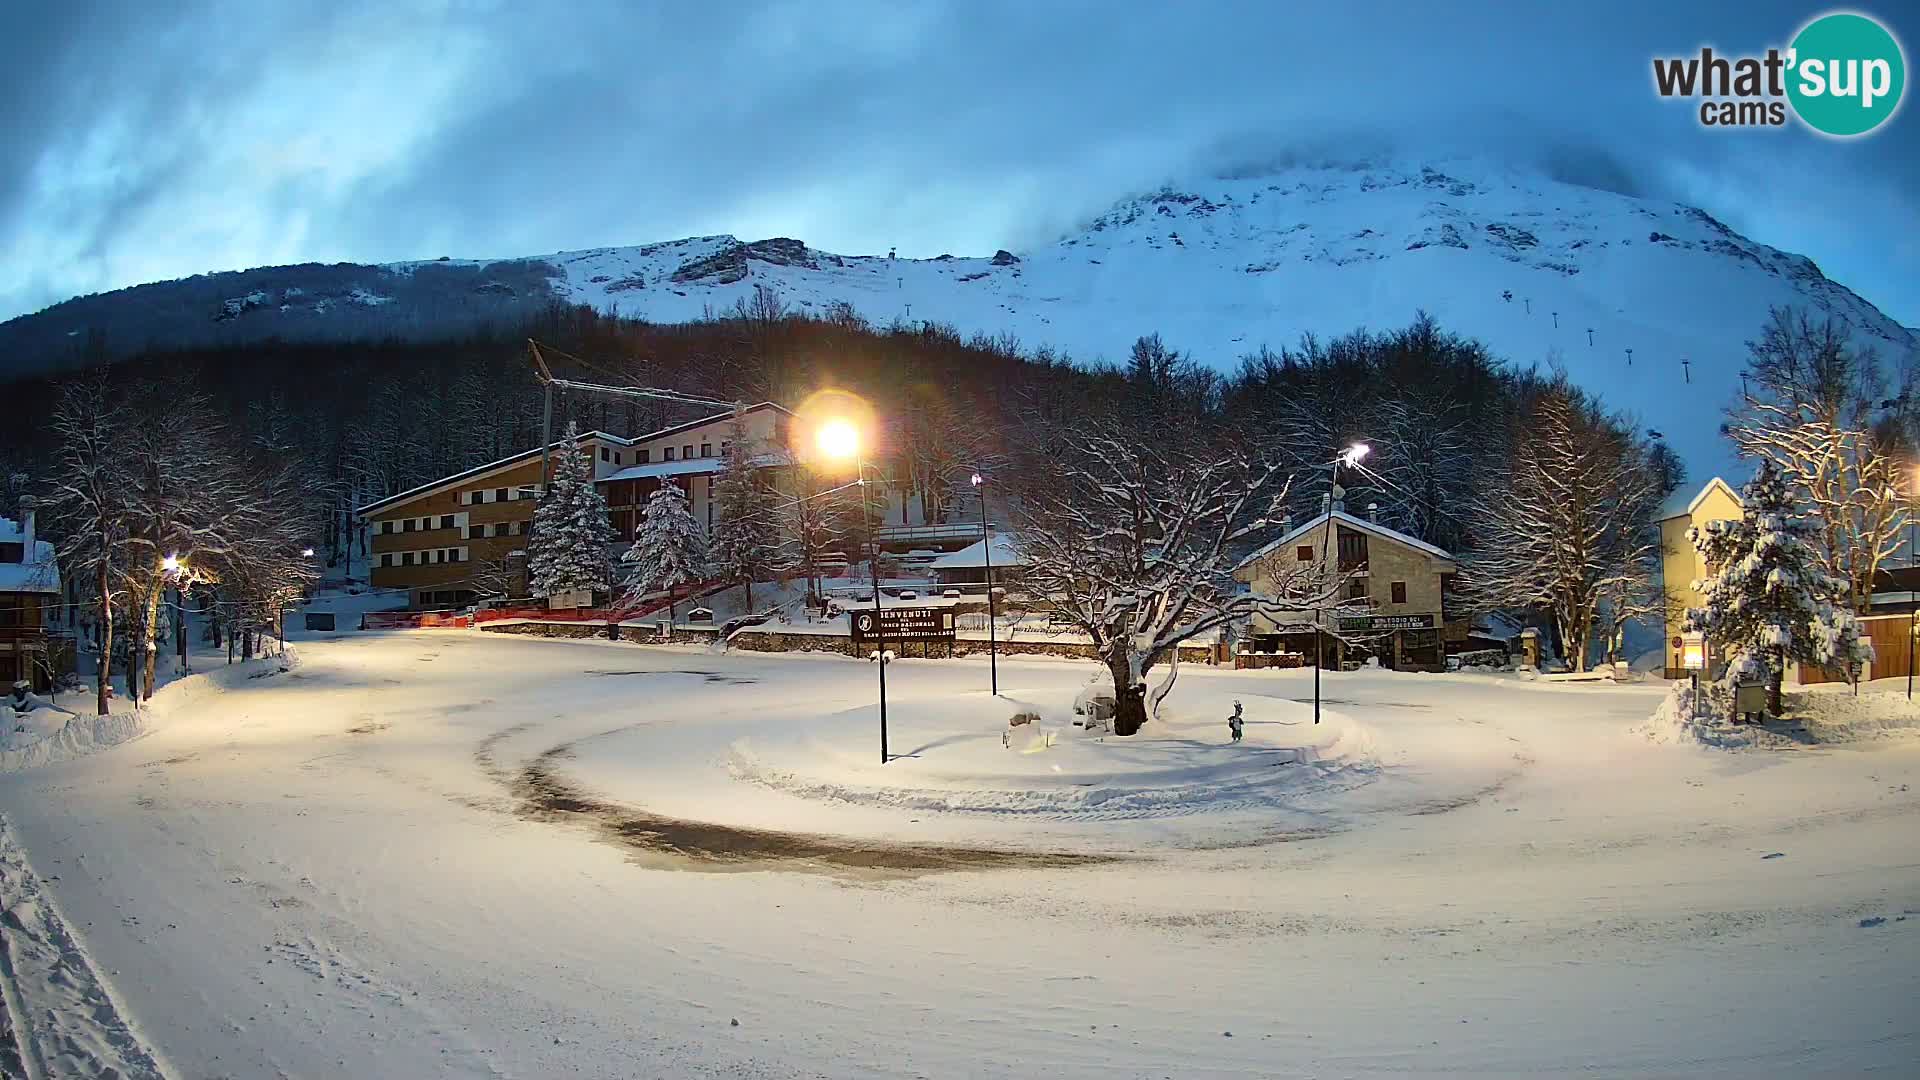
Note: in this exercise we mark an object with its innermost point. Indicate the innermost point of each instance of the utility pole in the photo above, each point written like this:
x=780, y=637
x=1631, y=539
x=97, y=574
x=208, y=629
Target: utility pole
x=1629, y=356
x=1686, y=369
x=879, y=630
x=986, y=547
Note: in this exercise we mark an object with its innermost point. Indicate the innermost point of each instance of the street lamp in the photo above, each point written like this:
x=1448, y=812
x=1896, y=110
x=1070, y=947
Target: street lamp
x=1913, y=610
x=986, y=549
x=839, y=439
x=175, y=567
x=1351, y=456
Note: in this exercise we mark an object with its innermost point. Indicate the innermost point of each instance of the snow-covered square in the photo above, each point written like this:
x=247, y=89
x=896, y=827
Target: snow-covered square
x=455, y=853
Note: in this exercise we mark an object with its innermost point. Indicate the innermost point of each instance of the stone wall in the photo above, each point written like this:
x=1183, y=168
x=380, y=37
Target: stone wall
x=637, y=635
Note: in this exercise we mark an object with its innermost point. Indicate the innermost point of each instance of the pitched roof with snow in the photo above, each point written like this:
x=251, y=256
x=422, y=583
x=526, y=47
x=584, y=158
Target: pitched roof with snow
x=39, y=573
x=477, y=471
x=677, y=428
x=1348, y=520
x=1679, y=504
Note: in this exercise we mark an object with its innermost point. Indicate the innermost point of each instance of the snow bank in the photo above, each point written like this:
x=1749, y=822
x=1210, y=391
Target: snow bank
x=1816, y=716
x=50, y=734
x=45, y=736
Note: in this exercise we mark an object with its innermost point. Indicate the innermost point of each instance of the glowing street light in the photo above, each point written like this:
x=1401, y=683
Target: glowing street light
x=1351, y=455
x=306, y=552
x=838, y=439
x=173, y=564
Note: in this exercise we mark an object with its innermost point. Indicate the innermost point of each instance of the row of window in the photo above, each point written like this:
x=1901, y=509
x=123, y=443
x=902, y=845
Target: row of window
x=1357, y=590
x=429, y=557
x=498, y=528
x=683, y=452
x=482, y=496
x=422, y=524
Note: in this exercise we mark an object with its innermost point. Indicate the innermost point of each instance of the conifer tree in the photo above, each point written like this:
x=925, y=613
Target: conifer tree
x=670, y=551
x=746, y=536
x=1769, y=601
x=571, y=527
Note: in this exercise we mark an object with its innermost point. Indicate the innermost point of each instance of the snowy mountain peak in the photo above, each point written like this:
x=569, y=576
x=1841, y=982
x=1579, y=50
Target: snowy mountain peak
x=1648, y=303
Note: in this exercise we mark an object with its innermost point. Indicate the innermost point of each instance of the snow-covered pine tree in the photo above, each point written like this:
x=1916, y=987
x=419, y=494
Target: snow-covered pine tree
x=1768, y=598
x=571, y=527
x=669, y=551
x=746, y=536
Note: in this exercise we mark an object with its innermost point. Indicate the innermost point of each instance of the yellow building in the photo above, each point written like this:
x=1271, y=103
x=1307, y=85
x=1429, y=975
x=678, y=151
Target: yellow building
x=1680, y=564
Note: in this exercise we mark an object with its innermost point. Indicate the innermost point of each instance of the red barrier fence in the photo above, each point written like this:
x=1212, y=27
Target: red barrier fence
x=411, y=620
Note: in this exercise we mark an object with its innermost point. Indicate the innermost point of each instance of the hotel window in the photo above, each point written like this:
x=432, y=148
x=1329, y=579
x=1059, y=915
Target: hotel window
x=1399, y=592
x=616, y=457
x=446, y=521
x=667, y=454
x=1357, y=589
x=686, y=452
x=641, y=457
x=386, y=558
x=407, y=525
x=725, y=446
x=1303, y=553
x=1353, y=550
x=706, y=449
x=475, y=532
x=604, y=456
x=500, y=494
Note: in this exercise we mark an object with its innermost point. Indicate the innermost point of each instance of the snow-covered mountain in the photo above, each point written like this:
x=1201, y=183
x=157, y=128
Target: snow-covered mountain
x=1534, y=267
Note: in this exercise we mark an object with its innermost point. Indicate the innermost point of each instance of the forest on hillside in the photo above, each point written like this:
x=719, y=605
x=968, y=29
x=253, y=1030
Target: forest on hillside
x=367, y=419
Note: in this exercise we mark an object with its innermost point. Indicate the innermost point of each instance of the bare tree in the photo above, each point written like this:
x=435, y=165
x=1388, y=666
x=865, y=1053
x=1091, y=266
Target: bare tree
x=1810, y=408
x=1573, y=527
x=90, y=502
x=1136, y=545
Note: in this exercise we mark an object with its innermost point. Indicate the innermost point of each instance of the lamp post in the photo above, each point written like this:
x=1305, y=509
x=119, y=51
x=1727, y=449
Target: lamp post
x=1913, y=610
x=174, y=567
x=1350, y=456
x=839, y=439
x=986, y=548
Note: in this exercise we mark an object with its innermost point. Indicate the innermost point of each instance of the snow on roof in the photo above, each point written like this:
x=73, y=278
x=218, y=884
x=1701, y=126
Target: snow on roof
x=1679, y=504
x=40, y=573
x=973, y=556
x=667, y=468
x=675, y=429
x=1352, y=522
x=481, y=470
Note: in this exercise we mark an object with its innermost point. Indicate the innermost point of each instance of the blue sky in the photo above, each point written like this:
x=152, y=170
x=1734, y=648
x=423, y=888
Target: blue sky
x=150, y=141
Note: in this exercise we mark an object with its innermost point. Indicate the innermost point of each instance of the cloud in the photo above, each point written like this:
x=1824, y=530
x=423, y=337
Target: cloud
x=161, y=140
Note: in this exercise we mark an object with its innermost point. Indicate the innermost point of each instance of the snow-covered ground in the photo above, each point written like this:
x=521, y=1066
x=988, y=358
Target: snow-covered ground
x=447, y=853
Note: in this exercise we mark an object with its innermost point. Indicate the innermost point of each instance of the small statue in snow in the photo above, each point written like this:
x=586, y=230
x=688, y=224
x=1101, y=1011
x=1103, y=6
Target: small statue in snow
x=1236, y=723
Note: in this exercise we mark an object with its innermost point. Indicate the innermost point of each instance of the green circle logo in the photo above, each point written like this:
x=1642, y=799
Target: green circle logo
x=1847, y=74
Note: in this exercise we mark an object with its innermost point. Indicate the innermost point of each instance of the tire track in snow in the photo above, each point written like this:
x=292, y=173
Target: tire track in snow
x=64, y=1019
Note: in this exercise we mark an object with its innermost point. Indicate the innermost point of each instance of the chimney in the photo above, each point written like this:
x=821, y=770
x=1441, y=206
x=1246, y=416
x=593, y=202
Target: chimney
x=1373, y=512
x=26, y=529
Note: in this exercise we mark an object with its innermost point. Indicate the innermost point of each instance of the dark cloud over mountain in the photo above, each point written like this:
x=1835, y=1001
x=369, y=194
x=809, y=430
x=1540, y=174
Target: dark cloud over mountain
x=154, y=141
